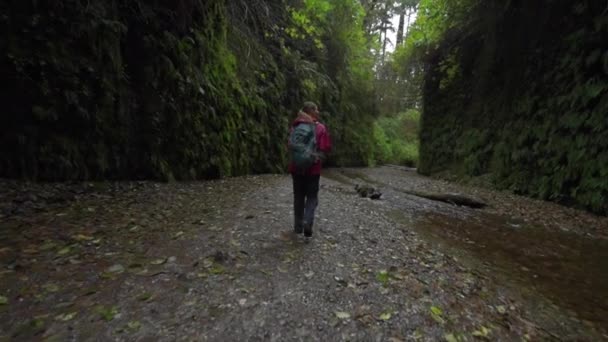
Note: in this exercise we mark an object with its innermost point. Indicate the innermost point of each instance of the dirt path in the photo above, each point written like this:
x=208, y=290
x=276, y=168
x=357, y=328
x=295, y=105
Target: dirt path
x=217, y=261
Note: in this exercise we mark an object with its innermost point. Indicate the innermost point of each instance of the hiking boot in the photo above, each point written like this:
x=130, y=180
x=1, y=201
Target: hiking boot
x=298, y=229
x=307, y=230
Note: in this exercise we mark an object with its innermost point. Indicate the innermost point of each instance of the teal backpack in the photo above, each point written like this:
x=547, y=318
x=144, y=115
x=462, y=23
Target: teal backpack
x=303, y=146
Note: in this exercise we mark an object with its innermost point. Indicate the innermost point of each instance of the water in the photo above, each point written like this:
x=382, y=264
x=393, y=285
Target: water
x=568, y=269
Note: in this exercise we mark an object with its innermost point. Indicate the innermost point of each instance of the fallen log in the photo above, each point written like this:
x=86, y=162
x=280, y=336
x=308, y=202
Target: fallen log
x=452, y=198
x=404, y=168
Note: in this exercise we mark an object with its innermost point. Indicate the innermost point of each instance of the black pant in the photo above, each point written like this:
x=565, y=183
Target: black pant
x=305, y=199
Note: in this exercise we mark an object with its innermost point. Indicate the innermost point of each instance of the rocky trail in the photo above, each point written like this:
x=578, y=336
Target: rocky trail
x=217, y=261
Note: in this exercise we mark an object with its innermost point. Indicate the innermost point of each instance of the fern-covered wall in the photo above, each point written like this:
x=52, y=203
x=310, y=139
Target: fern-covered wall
x=521, y=92
x=186, y=89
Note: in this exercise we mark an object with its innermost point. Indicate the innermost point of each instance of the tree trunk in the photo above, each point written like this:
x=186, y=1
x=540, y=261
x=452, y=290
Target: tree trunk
x=400, y=28
x=407, y=28
x=384, y=30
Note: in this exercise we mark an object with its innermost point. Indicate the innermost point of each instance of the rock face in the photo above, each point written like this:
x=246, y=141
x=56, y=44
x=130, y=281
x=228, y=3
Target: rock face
x=543, y=139
x=368, y=191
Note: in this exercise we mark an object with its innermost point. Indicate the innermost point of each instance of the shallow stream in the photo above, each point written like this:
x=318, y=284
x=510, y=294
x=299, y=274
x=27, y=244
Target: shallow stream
x=566, y=268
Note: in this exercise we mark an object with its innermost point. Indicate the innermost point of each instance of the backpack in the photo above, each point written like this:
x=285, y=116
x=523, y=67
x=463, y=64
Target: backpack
x=303, y=146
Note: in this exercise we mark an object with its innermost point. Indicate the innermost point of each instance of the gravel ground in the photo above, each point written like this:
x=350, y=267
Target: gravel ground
x=218, y=261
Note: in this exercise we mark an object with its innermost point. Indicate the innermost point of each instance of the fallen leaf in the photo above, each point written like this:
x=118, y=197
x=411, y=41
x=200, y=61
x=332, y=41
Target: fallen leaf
x=158, y=261
x=2, y=273
x=342, y=315
x=144, y=297
x=436, y=315
x=64, y=305
x=37, y=323
x=436, y=311
x=107, y=314
x=501, y=309
x=141, y=272
x=64, y=251
x=482, y=332
x=382, y=277
x=217, y=269
x=178, y=234
x=362, y=311
x=285, y=236
x=90, y=293
x=118, y=268
x=30, y=328
x=48, y=246
x=208, y=262
x=50, y=287
x=450, y=338
x=3, y=300
x=397, y=276
x=340, y=281
x=386, y=316
x=65, y=317
x=134, y=326
x=82, y=237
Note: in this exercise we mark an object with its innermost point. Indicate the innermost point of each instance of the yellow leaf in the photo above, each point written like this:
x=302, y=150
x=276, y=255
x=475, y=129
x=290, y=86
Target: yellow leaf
x=436, y=315
x=483, y=332
x=66, y=317
x=450, y=338
x=342, y=315
x=82, y=237
x=64, y=251
x=158, y=261
x=386, y=316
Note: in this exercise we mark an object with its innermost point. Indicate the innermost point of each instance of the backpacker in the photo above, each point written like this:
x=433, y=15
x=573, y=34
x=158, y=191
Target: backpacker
x=303, y=146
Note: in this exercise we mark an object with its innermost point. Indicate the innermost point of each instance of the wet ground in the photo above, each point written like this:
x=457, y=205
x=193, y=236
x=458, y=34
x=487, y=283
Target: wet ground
x=217, y=261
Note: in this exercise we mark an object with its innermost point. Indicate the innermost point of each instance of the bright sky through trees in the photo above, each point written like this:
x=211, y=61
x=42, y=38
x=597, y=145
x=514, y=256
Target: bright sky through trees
x=392, y=35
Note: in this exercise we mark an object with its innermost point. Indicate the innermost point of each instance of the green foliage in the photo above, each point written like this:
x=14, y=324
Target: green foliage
x=341, y=80
x=177, y=90
x=383, y=151
x=532, y=112
x=396, y=139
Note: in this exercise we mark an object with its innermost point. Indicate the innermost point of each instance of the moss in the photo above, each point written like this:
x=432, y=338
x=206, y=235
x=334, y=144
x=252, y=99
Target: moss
x=530, y=112
x=185, y=90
